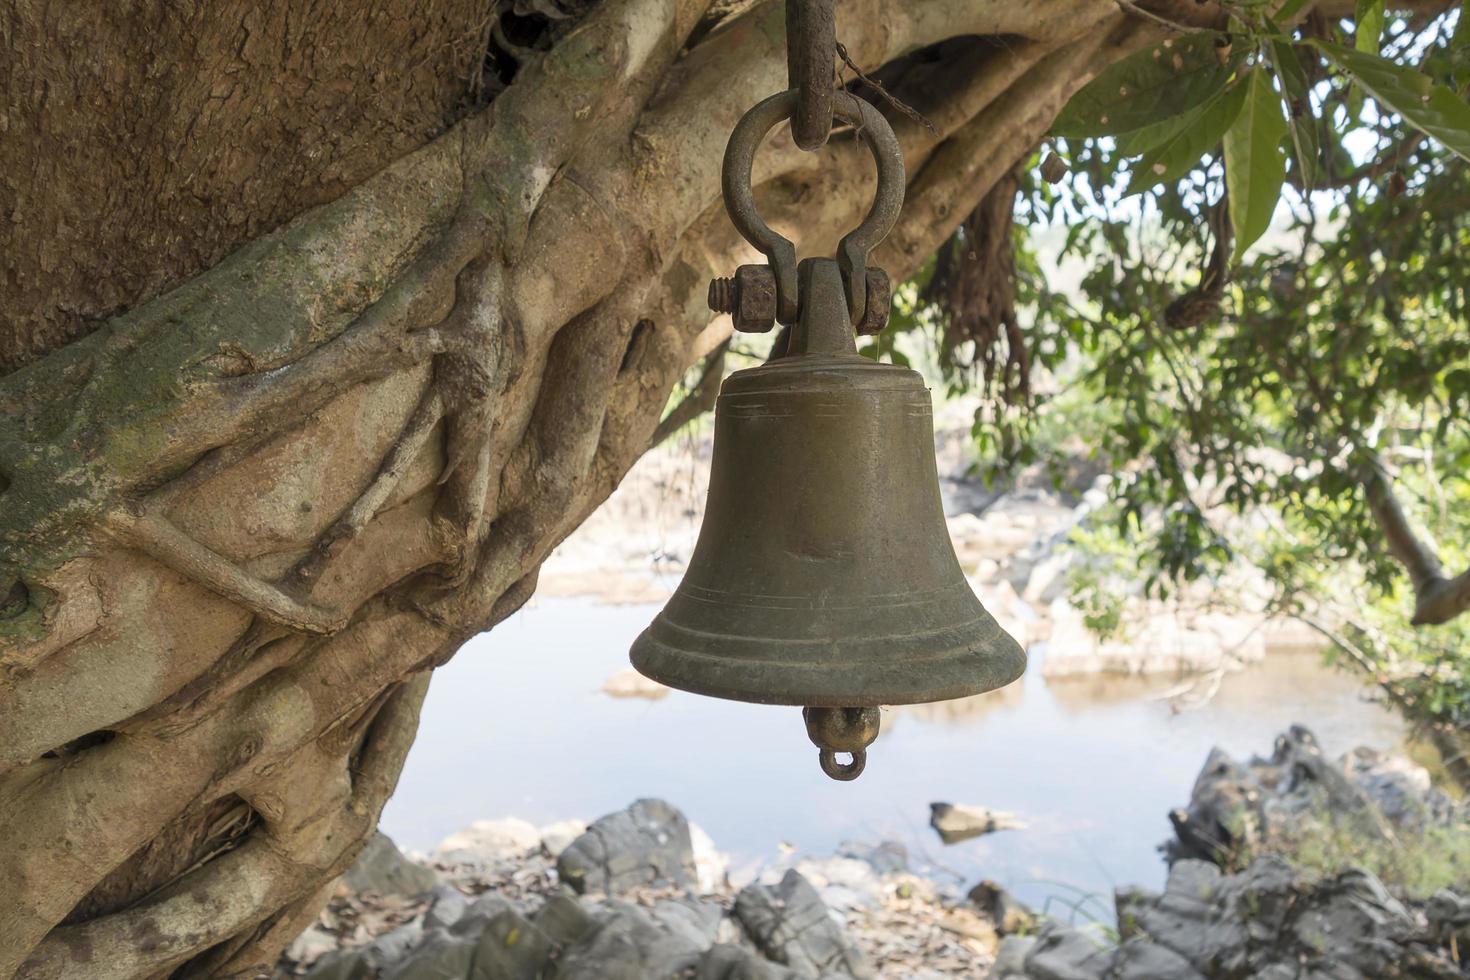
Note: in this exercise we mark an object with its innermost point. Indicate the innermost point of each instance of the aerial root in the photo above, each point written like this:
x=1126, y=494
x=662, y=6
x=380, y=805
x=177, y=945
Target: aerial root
x=159, y=538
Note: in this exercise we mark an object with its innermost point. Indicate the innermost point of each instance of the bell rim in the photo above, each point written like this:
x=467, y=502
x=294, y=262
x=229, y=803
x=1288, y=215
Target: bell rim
x=1002, y=660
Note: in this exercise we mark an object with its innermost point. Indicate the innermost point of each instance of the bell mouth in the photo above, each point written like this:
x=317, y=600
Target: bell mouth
x=969, y=657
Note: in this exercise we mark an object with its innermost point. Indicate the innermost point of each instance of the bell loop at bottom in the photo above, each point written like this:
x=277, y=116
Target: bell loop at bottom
x=843, y=772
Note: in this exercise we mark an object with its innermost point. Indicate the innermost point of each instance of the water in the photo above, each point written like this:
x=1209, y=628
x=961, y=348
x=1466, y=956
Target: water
x=516, y=725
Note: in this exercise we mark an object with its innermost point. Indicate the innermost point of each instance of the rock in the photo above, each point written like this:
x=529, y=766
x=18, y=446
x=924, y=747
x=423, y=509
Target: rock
x=725, y=962
x=449, y=906
x=709, y=864
x=1400, y=788
x=631, y=684
x=556, y=837
x=1010, y=958
x=1237, y=809
x=311, y=946
x=382, y=868
x=642, y=943
x=789, y=923
x=648, y=842
x=488, y=842
x=1066, y=954
x=1138, y=959
x=843, y=883
x=440, y=956
x=341, y=965
x=1008, y=914
x=1448, y=914
x=886, y=857
x=564, y=920
x=956, y=822
x=393, y=944
x=479, y=913
x=1266, y=922
x=510, y=948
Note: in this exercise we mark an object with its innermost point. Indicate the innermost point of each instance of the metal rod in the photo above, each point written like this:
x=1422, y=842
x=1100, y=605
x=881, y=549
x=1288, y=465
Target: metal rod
x=811, y=50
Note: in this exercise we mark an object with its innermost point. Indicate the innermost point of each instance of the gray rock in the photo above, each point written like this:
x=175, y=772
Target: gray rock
x=1010, y=958
x=1138, y=959
x=479, y=913
x=449, y=907
x=441, y=956
x=886, y=857
x=726, y=962
x=393, y=945
x=564, y=920
x=383, y=869
x=341, y=965
x=646, y=843
x=789, y=923
x=510, y=948
x=956, y=822
x=647, y=944
x=1066, y=954
x=1448, y=913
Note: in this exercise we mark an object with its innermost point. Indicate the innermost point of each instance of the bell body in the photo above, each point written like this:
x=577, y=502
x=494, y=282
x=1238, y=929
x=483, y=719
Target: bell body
x=824, y=574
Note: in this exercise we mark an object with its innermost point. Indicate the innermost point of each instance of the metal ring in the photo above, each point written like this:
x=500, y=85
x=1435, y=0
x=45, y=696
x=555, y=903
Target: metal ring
x=852, y=251
x=837, y=770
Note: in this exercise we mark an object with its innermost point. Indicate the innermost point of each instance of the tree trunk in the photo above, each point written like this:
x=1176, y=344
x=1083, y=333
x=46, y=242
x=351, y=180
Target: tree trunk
x=319, y=337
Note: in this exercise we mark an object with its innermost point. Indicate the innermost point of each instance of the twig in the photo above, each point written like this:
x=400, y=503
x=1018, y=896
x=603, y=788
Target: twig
x=884, y=94
x=1129, y=7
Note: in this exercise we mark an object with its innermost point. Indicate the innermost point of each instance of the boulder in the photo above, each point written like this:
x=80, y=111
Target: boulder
x=1010, y=958
x=645, y=844
x=1061, y=953
x=956, y=821
x=728, y=962
x=449, y=906
x=556, y=837
x=638, y=943
x=510, y=948
x=1006, y=913
x=441, y=956
x=383, y=869
x=486, y=843
x=788, y=922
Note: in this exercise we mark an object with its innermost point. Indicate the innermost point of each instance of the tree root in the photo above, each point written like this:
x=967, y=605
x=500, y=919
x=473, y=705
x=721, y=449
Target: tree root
x=157, y=537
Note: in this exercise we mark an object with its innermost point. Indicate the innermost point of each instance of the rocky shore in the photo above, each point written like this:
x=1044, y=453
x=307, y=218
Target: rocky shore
x=1252, y=891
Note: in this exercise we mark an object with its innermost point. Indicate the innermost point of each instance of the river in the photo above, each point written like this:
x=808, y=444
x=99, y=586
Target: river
x=517, y=725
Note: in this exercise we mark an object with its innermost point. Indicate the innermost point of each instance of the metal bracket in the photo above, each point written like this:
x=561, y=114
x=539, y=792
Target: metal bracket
x=853, y=250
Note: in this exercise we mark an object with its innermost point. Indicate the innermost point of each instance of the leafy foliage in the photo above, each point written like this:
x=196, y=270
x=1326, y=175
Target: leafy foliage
x=1243, y=404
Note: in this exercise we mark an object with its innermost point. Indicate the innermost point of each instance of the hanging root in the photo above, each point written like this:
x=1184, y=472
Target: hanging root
x=154, y=535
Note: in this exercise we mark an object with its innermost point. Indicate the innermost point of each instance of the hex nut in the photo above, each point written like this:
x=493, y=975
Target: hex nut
x=755, y=299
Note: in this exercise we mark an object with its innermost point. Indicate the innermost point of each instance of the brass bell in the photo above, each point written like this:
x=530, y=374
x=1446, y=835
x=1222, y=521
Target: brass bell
x=824, y=575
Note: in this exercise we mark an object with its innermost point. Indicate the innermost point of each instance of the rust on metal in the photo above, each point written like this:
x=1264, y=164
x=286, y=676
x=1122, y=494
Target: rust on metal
x=853, y=250
x=811, y=53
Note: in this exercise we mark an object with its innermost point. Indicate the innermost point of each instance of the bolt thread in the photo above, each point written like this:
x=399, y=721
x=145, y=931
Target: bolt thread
x=722, y=295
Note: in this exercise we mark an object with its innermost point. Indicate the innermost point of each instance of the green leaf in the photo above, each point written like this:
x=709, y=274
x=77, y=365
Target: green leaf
x=1254, y=166
x=1140, y=141
x=1431, y=108
x=1294, y=88
x=1174, y=157
x=1369, y=21
x=1164, y=80
x=1460, y=47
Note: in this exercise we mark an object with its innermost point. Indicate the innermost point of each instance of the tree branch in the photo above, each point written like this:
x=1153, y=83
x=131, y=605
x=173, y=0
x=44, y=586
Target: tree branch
x=1438, y=598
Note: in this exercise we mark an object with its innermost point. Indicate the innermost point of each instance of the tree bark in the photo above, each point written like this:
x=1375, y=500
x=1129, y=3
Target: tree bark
x=314, y=355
